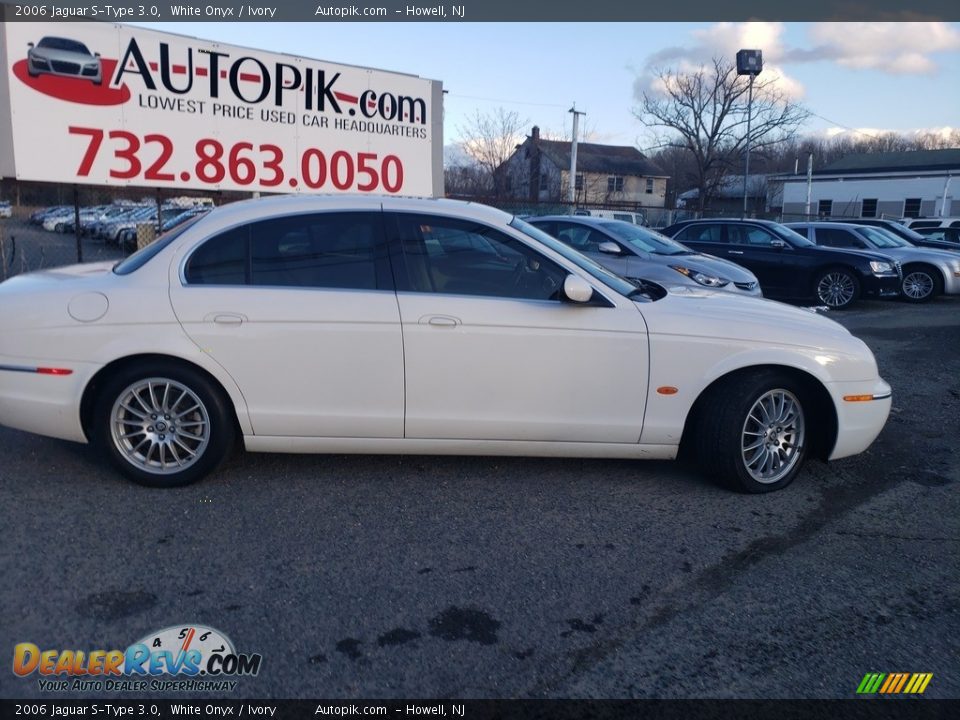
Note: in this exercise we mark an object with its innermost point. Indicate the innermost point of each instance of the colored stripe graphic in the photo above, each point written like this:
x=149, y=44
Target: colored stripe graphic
x=903, y=680
x=894, y=683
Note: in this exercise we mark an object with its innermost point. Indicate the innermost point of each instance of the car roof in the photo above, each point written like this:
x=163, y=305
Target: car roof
x=273, y=205
x=822, y=224
x=756, y=221
x=581, y=219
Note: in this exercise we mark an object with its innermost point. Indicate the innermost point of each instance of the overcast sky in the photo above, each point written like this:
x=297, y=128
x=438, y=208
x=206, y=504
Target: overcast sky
x=867, y=76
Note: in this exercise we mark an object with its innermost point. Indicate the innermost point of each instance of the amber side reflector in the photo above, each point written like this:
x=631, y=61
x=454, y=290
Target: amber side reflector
x=54, y=371
x=667, y=390
x=858, y=398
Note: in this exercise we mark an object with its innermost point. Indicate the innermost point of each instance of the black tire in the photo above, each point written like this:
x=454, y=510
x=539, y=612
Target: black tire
x=921, y=283
x=837, y=287
x=220, y=439
x=723, y=422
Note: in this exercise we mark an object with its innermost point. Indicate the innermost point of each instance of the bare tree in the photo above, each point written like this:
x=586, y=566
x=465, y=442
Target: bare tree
x=705, y=113
x=490, y=138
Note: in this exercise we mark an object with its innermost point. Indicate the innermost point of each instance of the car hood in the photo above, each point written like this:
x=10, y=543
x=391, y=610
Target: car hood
x=65, y=55
x=713, y=265
x=941, y=245
x=872, y=254
x=921, y=254
x=695, y=311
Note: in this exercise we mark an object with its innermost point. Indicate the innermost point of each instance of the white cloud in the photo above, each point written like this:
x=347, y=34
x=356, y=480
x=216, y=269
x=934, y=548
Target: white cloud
x=903, y=48
x=724, y=40
x=943, y=133
x=897, y=48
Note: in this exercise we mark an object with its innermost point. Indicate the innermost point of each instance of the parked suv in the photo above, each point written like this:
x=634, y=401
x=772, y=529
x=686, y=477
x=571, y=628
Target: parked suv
x=788, y=265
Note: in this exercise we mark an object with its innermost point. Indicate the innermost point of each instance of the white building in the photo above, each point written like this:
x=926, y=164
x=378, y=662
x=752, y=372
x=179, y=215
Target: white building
x=916, y=183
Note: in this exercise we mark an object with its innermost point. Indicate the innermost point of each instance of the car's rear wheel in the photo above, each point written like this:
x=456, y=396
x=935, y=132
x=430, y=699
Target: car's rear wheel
x=837, y=288
x=163, y=424
x=751, y=431
x=920, y=284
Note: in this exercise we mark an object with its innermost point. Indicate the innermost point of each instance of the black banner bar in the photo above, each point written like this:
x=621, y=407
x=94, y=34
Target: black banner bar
x=161, y=709
x=477, y=11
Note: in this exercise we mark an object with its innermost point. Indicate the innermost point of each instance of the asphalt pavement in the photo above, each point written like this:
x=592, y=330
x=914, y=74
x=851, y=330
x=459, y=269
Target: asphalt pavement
x=403, y=577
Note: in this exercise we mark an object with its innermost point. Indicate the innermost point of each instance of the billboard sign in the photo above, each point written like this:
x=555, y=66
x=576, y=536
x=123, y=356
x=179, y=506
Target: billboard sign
x=109, y=104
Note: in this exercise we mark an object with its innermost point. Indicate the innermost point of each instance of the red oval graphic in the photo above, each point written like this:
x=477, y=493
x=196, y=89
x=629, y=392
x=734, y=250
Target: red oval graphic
x=75, y=89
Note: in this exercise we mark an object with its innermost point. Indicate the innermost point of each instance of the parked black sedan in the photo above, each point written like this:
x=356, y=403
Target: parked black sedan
x=788, y=265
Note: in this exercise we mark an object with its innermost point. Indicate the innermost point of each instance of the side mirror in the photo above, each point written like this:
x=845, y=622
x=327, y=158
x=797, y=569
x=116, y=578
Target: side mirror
x=30, y=45
x=96, y=54
x=577, y=289
x=610, y=248
x=778, y=244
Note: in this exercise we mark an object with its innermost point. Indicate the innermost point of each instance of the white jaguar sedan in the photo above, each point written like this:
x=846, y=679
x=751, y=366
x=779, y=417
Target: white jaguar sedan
x=394, y=325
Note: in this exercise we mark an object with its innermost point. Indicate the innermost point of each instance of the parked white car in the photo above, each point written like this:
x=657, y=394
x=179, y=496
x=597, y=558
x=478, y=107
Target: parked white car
x=395, y=325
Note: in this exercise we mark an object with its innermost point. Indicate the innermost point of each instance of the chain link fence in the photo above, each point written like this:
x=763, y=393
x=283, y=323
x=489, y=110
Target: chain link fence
x=47, y=225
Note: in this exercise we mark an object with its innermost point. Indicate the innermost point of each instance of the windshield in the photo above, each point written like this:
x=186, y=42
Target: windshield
x=647, y=240
x=790, y=235
x=144, y=254
x=55, y=43
x=881, y=238
x=599, y=272
x=903, y=231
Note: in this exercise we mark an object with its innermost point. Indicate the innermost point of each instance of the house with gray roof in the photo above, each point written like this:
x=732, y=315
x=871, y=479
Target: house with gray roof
x=914, y=183
x=539, y=170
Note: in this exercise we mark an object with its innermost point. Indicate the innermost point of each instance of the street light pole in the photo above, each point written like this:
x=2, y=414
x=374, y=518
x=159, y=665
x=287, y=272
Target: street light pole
x=749, y=62
x=746, y=162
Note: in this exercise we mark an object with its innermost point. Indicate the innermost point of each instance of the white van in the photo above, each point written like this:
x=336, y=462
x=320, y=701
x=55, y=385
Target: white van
x=637, y=218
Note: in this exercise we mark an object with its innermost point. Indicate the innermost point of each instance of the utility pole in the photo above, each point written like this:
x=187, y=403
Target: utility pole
x=572, y=193
x=809, y=185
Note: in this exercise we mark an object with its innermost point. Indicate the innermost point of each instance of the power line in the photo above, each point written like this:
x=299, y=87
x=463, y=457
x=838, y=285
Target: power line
x=845, y=127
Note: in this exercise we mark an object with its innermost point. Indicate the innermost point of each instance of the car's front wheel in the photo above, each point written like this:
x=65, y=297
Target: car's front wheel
x=163, y=424
x=920, y=283
x=751, y=431
x=837, y=288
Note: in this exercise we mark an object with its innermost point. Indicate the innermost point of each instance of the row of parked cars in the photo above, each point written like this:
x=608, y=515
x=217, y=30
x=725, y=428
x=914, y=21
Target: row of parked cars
x=828, y=263
x=116, y=223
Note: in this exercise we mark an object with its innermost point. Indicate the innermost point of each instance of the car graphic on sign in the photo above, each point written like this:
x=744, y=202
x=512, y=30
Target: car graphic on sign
x=64, y=57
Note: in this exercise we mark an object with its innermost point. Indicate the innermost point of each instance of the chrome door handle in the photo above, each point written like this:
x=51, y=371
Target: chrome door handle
x=441, y=321
x=734, y=252
x=228, y=319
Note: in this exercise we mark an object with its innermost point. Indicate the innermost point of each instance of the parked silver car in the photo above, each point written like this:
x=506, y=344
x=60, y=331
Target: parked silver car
x=64, y=57
x=926, y=272
x=641, y=253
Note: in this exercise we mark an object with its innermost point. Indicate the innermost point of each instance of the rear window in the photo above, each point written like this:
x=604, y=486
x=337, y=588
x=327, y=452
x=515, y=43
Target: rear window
x=142, y=256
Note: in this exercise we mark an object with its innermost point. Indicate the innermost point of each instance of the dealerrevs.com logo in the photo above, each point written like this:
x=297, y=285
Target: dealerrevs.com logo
x=178, y=658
